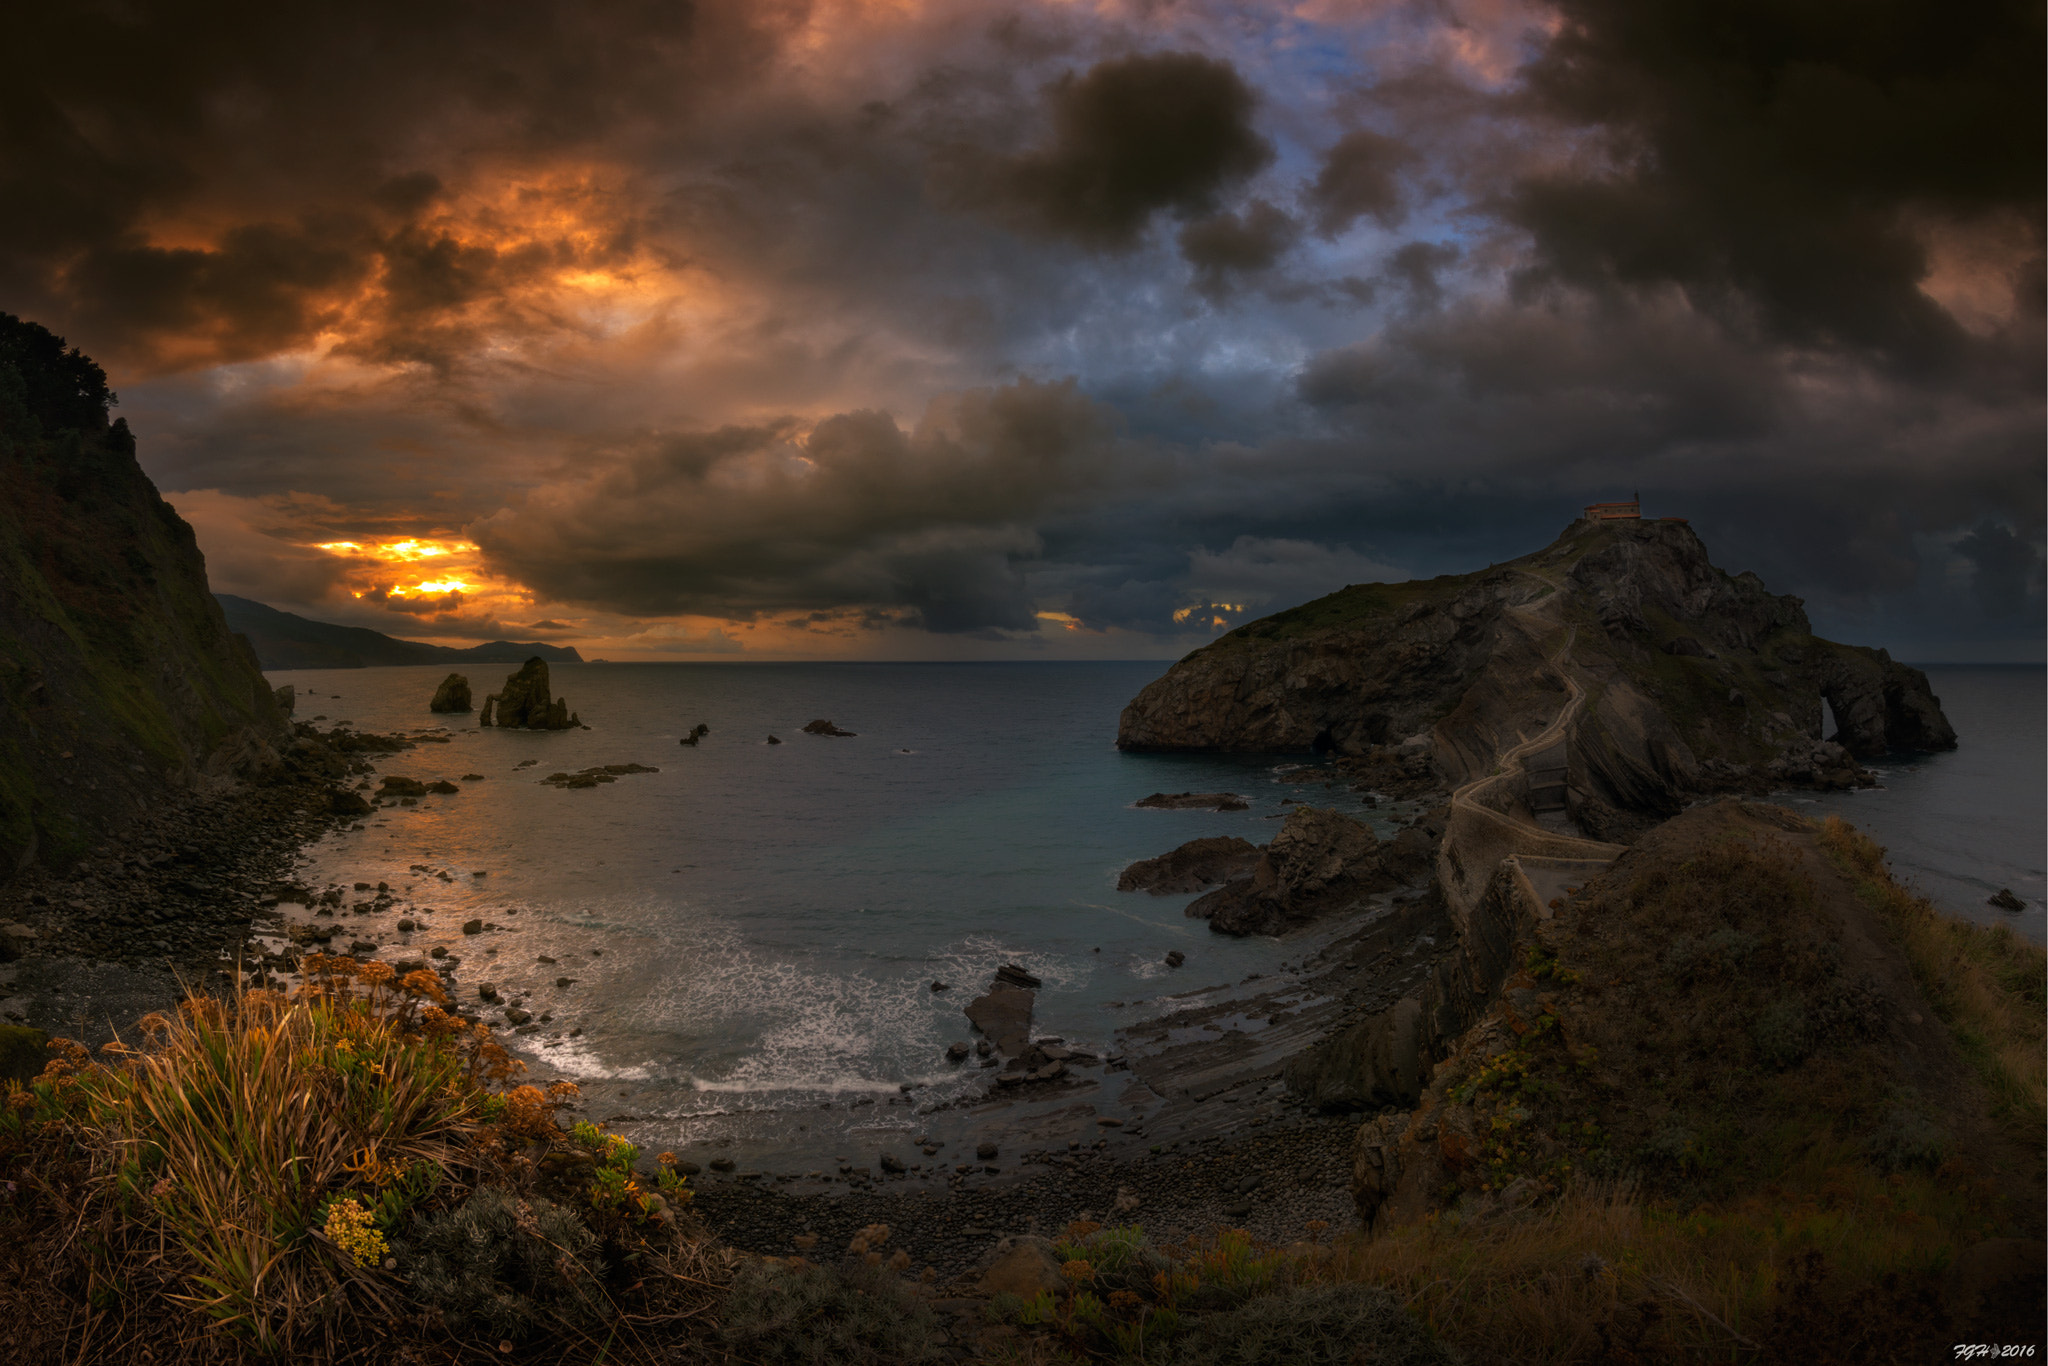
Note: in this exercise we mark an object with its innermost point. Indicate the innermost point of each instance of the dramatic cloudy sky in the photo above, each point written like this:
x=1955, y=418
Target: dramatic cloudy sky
x=953, y=328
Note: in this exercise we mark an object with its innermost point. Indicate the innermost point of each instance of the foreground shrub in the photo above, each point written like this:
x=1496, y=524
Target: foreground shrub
x=803, y=1314
x=500, y=1268
x=1312, y=1325
x=249, y=1158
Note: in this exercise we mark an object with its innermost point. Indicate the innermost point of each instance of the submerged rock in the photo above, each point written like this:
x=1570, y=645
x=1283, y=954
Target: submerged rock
x=452, y=695
x=525, y=703
x=1193, y=801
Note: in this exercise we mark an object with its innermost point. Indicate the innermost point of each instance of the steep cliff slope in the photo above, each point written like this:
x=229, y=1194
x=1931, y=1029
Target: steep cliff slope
x=119, y=680
x=1694, y=680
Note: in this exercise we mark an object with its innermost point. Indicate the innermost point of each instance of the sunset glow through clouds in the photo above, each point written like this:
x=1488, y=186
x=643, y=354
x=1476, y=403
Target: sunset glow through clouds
x=907, y=329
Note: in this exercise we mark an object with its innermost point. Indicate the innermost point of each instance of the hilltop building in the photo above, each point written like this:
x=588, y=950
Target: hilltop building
x=1616, y=512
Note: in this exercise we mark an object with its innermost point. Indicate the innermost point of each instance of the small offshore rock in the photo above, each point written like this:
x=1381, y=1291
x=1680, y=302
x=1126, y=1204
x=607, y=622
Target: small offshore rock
x=774, y=740
x=452, y=695
x=893, y=1164
x=1009, y=974
x=824, y=727
x=472, y=927
x=987, y=1152
x=957, y=1052
x=1176, y=958
x=2006, y=901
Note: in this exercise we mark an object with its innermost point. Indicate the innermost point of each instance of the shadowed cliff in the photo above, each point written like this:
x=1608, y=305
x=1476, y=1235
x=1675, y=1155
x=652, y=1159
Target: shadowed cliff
x=120, y=682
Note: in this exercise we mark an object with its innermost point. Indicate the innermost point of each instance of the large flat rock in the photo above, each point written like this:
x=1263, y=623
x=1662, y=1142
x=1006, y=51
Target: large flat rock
x=1004, y=1015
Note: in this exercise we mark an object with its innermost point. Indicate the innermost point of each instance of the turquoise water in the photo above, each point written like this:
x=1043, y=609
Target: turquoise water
x=769, y=918
x=755, y=928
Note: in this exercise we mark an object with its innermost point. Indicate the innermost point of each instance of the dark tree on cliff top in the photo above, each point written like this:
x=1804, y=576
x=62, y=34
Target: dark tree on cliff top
x=59, y=387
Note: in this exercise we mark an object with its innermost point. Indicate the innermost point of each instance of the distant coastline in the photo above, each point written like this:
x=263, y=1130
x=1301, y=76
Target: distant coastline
x=286, y=640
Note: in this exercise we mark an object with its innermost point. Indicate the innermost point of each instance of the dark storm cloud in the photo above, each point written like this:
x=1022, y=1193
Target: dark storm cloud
x=2006, y=573
x=592, y=282
x=938, y=520
x=1358, y=179
x=1770, y=159
x=289, y=122
x=1132, y=137
x=1226, y=247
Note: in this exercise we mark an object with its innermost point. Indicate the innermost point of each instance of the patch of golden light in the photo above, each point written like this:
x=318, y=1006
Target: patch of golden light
x=437, y=586
x=1072, y=623
x=1974, y=269
x=399, y=552
x=1209, y=607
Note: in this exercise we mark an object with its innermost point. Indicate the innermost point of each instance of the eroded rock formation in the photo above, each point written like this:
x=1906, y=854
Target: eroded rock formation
x=526, y=702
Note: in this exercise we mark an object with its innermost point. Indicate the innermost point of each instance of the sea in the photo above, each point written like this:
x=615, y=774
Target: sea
x=755, y=931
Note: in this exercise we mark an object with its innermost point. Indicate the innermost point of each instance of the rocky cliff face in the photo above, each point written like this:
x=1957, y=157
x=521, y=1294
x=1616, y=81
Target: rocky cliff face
x=120, y=683
x=1697, y=680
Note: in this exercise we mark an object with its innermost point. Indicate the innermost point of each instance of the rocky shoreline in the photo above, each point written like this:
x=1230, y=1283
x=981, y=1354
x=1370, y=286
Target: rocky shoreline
x=171, y=901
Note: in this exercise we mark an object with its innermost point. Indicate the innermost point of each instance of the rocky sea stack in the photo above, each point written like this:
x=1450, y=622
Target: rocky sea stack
x=120, y=683
x=527, y=702
x=452, y=695
x=1696, y=681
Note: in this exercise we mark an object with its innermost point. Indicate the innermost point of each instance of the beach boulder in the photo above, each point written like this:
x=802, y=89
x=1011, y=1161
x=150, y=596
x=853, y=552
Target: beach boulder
x=1004, y=1015
x=452, y=695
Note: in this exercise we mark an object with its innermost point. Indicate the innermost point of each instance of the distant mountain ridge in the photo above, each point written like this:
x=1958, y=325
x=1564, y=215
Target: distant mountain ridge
x=286, y=640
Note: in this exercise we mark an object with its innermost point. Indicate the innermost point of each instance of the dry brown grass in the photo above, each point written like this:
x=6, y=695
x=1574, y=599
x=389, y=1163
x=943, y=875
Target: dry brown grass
x=1601, y=1274
x=1985, y=982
